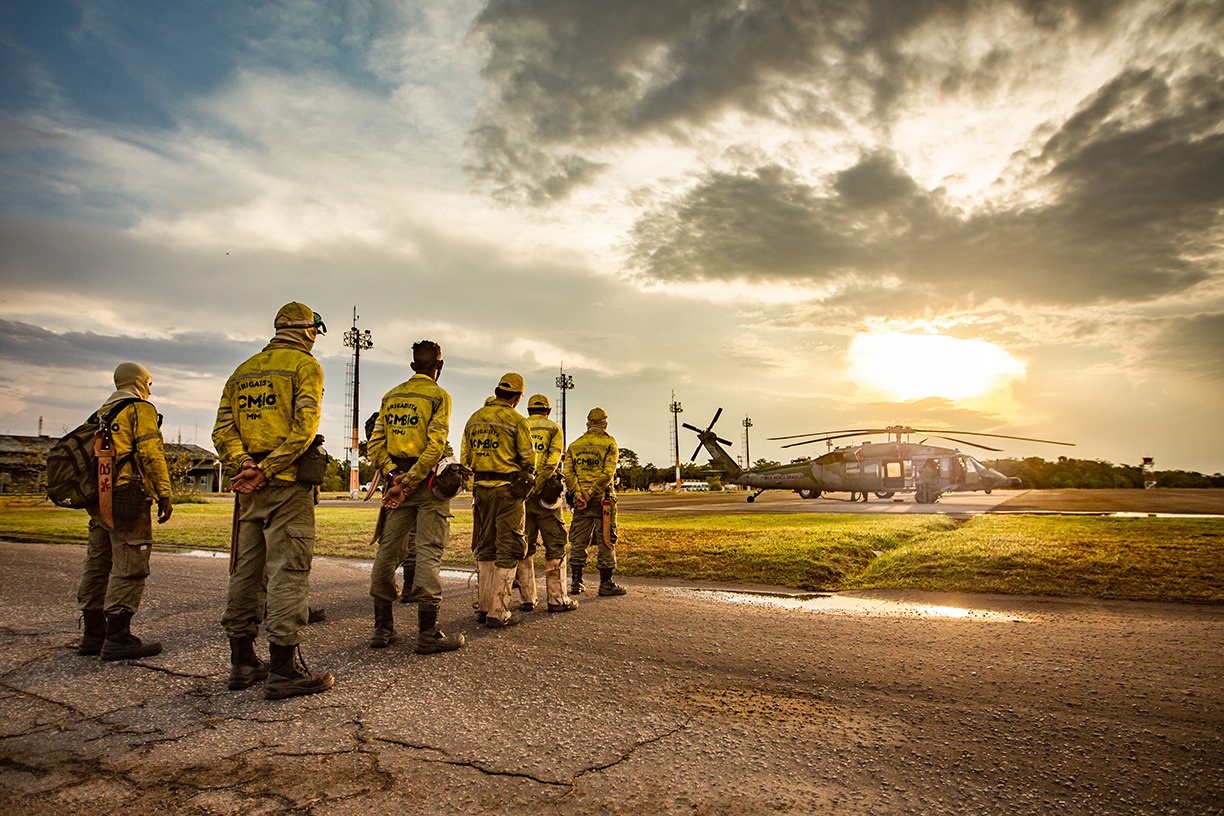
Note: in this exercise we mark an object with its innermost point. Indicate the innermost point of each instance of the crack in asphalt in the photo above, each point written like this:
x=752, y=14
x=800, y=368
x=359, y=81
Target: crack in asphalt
x=629, y=753
x=26, y=693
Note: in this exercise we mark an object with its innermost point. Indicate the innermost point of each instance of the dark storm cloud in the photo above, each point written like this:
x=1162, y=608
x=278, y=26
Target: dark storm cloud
x=768, y=224
x=572, y=76
x=1134, y=188
x=202, y=352
x=1192, y=344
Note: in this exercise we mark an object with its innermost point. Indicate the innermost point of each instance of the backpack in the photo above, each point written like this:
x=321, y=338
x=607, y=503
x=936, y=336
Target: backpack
x=72, y=467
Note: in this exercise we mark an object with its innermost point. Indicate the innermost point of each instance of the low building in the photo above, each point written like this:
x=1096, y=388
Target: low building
x=23, y=465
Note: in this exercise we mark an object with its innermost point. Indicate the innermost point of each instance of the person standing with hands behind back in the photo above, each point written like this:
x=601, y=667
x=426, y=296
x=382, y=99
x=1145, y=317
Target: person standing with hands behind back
x=590, y=473
x=497, y=448
x=267, y=419
x=406, y=444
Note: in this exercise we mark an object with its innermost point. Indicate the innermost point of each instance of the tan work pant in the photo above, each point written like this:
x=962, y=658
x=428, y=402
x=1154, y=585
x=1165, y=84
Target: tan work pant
x=116, y=565
x=587, y=529
x=276, y=535
x=419, y=528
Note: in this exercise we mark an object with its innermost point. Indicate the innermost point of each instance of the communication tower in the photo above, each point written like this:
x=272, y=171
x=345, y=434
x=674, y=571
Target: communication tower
x=358, y=341
x=564, y=383
x=1149, y=472
x=676, y=410
x=747, y=423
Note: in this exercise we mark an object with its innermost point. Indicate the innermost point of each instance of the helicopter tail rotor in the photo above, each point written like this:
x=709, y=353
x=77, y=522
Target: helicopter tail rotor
x=707, y=434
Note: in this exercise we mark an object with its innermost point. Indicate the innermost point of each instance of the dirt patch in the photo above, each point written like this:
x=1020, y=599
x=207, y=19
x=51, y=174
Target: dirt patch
x=1119, y=501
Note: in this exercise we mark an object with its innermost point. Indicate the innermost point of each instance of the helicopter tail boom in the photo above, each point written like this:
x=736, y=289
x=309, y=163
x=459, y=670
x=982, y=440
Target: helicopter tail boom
x=709, y=440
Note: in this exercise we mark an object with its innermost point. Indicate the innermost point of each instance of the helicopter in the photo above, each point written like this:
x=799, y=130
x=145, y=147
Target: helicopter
x=883, y=468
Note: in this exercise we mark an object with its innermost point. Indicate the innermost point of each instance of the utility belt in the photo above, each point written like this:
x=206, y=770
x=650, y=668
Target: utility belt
x=520, y=481
x=311, y=465
x=404, y=462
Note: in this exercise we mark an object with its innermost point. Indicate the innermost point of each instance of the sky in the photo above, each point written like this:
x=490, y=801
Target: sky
x=1002, y=217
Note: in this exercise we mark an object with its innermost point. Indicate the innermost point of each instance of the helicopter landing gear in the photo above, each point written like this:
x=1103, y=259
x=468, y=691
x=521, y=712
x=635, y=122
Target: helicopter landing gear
x=752, y=498
x=807, y=493
x=885, y=494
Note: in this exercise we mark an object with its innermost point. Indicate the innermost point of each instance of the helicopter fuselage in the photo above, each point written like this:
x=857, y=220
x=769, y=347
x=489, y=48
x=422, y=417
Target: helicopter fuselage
x=885, y=469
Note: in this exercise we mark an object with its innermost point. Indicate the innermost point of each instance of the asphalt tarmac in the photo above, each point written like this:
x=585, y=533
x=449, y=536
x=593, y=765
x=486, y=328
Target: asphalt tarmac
x=669, y=700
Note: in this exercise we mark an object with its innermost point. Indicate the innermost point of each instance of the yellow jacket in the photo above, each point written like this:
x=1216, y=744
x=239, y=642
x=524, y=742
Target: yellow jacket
x=497, y=439
x=548, y=440
x=590, y=464
x=269, y=410
x=413, y=422
x=137, y=428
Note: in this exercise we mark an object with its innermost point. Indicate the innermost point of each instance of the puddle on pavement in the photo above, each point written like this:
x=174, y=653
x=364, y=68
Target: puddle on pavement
x=845, y=605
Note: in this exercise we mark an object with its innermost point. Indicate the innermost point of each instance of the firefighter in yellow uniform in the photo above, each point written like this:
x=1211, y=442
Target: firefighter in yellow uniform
x=497, y=448
x=406, y=444
x=590, y=474
x=544, y=511
x=117, y=559
x=267, y=419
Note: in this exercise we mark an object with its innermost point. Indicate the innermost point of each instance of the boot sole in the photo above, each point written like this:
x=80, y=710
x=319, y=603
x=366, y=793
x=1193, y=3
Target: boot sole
x=325, y=682
x=128, y=655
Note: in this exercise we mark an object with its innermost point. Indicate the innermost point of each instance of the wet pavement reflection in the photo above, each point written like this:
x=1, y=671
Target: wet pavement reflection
x=846, y=605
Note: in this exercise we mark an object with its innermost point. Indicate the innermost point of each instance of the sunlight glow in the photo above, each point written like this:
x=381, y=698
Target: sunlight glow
x=916, y=366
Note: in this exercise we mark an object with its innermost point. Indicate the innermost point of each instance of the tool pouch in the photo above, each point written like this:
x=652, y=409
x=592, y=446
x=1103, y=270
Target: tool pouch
x=312, y=465
x=129, y=501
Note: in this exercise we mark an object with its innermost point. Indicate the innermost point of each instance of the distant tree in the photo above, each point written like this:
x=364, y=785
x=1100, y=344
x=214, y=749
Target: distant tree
x=336, y=477
x=764, y=463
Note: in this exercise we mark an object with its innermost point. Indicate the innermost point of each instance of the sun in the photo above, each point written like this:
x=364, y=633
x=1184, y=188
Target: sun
x=916, y=366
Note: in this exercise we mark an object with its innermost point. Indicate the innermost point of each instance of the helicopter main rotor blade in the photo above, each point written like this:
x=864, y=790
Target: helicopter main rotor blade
x=822, y=434
x=967, y=442
x=996, y=436
x=693, y=458
x=824, y=439
x=714, y=421
x=693, y=428
x=724, y=441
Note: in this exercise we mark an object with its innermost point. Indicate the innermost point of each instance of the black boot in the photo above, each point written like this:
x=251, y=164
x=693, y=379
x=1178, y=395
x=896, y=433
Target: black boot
x=575, y=580
x=384, y=625
x=94, y=631
x=246, y=669
x=431, y=639
x=121, y=644
x=316, y=614
x=290, y=677
x=606, y=584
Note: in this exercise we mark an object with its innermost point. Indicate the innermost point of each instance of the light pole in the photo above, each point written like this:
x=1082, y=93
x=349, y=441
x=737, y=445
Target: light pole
x=676, y=410
x=564, y=382
x=357, y=340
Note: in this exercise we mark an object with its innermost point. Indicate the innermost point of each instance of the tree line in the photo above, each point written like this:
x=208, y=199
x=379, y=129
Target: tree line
x=1038, y=474
x=1034, y=473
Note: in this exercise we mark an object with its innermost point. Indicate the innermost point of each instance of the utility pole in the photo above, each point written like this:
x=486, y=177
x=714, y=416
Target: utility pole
x=676, y=410
x=564, y=382
x=357, y=340
x=747, y=423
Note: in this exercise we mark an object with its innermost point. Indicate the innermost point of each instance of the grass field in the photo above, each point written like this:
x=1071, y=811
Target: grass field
x=1158, y=559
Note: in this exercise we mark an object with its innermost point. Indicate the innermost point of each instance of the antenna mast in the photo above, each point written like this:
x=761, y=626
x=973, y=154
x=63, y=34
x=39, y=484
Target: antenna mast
x=564, y=382
x=747, y=423
x=676, y=410
x=357, y=340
